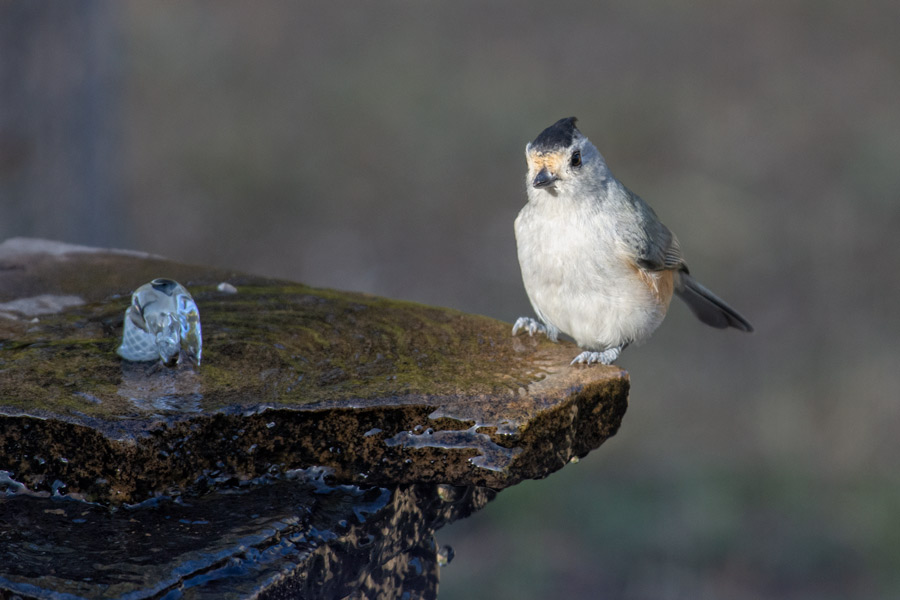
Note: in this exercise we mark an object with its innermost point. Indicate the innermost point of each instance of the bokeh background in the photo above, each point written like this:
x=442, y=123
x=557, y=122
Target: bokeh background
x=379, y=147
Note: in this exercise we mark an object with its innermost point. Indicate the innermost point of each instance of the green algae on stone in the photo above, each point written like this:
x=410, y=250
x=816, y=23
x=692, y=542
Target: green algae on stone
x=283, y=345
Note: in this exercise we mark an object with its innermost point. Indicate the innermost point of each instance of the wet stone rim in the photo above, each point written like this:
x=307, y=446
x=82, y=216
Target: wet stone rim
x=195, y=455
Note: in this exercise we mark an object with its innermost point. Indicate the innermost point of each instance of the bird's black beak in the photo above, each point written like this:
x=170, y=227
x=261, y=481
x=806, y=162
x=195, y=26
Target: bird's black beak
x=543, y=178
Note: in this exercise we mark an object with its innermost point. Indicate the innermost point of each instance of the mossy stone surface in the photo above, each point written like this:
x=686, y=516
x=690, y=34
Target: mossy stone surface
x=380, y=391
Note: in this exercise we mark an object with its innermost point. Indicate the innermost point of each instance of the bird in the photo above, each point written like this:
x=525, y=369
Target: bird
x=596, y=261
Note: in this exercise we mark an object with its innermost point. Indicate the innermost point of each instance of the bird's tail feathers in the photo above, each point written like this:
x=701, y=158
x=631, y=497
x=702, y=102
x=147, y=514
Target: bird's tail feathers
x=708, y=307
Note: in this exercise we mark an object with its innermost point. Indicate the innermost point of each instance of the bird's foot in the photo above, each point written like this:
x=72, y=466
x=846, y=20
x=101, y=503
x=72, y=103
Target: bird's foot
x=530, y=325
x=604, y=358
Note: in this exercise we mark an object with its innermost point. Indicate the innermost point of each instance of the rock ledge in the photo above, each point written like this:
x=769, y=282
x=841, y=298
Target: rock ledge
x=380, y=392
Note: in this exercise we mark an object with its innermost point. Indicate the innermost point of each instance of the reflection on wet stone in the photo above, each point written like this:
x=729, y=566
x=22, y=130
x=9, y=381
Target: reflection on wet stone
x=490, y=455
x=156, y=390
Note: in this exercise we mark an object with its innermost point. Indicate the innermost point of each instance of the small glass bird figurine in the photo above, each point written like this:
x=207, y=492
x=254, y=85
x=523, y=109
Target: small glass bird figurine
x=162, y=322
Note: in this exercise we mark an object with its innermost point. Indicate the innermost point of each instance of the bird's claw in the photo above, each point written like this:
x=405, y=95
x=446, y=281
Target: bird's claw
x=604, y=358
x=530, y=325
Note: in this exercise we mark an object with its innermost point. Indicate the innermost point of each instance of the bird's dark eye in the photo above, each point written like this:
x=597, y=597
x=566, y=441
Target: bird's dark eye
x=576, y=159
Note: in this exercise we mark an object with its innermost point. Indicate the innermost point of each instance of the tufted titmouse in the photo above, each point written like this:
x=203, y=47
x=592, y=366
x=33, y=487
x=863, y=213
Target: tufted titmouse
x=596, y=261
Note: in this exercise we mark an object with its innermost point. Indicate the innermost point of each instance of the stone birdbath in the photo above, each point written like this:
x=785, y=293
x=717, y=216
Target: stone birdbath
x=322, y=441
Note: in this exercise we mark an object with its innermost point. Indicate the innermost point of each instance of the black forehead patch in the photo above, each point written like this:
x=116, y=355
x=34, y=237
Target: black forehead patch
x=558, y=135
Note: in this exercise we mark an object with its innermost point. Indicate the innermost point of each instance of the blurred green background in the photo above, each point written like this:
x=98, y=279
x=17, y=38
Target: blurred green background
x=379, y=147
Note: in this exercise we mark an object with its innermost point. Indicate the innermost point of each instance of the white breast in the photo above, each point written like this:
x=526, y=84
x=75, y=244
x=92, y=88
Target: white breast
x=578, y=277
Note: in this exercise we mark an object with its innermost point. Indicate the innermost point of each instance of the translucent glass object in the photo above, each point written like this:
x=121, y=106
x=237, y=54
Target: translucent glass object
x=162, y=323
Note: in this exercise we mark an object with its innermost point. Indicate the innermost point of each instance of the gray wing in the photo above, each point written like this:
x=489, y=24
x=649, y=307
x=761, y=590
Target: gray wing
x=655, y=247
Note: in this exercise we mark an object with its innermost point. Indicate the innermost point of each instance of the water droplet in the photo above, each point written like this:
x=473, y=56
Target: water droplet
x=162, y=322
x=445, y=554
x=56, y=486
x=445, y=492
x=270, y=424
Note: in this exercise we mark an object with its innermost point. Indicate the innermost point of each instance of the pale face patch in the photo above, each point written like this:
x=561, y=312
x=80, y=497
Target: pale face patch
x=552, y=161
